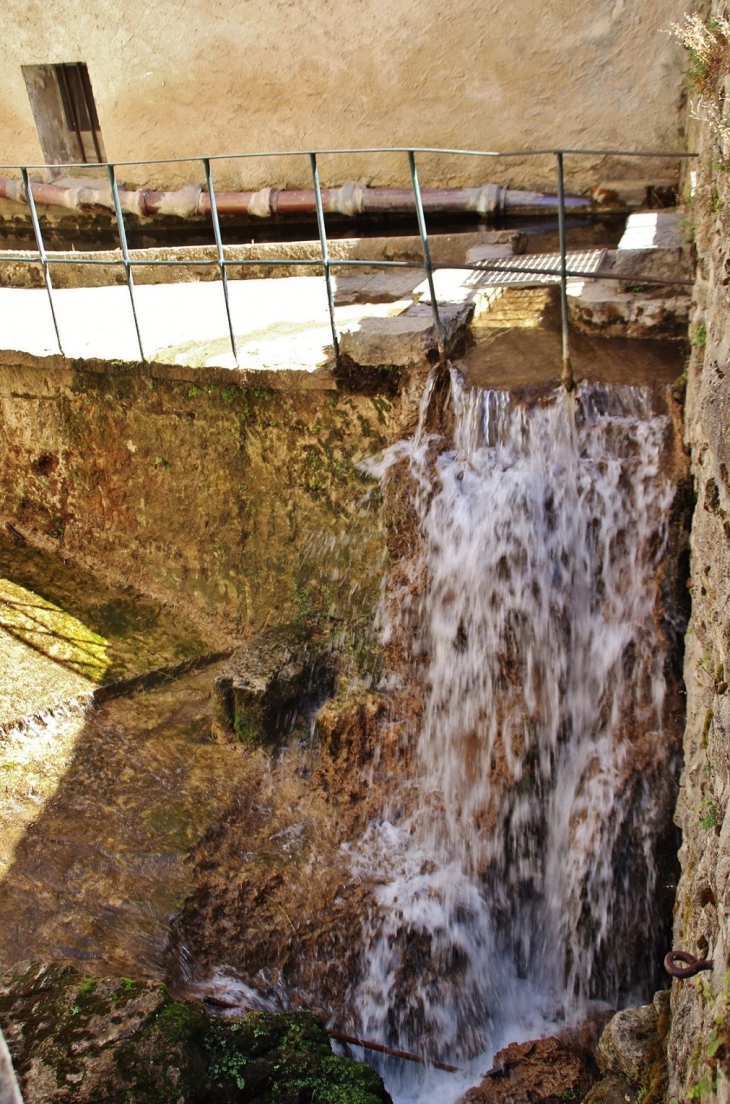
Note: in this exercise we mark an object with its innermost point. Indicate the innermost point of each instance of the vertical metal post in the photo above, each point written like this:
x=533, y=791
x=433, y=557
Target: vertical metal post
x=125, y=252
x=219, y=249
x=41, y=252
x=427, y=256
x=567, y=373
x=325, y=251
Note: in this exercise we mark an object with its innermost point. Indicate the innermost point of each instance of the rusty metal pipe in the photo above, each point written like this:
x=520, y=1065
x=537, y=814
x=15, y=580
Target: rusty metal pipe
x=350, y=200
x=383, y=1049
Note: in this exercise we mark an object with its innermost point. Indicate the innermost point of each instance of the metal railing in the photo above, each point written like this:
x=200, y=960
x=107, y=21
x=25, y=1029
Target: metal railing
x=326, y=262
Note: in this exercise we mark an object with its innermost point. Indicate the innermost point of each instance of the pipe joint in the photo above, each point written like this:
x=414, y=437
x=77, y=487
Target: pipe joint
x=349, y=199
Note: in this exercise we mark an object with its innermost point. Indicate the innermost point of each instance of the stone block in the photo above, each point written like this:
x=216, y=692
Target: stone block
x=600, y=305
x=267, y=682
x=405, y=339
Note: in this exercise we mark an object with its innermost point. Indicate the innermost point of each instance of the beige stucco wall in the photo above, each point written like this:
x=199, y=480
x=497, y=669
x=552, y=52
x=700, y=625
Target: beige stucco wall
x=186, y=77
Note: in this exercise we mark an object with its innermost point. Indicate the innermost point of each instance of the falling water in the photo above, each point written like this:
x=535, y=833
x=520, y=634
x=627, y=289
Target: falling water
x=517, y=878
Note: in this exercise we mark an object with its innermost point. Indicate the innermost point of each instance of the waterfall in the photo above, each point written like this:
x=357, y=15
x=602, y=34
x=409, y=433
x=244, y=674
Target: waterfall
x=515, y=876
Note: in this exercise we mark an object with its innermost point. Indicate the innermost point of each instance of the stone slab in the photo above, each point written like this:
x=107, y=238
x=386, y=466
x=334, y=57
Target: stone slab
x=407, y=338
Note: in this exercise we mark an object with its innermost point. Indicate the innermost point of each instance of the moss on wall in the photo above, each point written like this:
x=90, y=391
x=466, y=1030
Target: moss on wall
x=243, y=505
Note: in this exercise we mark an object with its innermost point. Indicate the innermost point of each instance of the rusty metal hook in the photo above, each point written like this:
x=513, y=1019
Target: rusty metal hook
x=694, y=965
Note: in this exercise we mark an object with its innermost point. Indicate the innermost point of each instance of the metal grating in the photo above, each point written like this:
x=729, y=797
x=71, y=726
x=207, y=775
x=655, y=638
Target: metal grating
x=507, y=271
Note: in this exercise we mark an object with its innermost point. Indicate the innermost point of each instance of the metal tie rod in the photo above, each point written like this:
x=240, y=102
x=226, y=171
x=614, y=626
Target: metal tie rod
x=125, y=253
x=219, y=251
x=41, y=252
x=325, y=252
x=427, y=255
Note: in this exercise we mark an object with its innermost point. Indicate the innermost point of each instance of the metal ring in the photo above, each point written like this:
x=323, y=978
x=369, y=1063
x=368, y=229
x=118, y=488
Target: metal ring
x=694, y=965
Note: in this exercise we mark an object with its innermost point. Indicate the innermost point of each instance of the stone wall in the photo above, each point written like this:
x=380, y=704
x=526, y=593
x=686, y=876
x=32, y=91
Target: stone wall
x=206, y=488
x=274, y=75
x=699, y=1042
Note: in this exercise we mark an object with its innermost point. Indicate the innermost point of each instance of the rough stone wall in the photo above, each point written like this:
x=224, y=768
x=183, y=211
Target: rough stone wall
x=699, y=1042
x=214, y=77
x=238, y=502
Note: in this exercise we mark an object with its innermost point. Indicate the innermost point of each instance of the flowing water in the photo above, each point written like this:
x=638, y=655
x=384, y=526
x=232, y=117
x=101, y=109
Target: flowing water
x=517, y=881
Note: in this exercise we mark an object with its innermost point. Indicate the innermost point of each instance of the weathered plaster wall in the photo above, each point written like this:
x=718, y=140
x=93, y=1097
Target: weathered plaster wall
x=237, y=502
x=175, y=80
x=699, y=1042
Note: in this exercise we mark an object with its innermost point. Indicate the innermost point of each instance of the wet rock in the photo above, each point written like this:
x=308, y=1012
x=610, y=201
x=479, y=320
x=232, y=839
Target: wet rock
x=267, y=682
x=74, y=1038
x=631, y=1054
x=82, y=1039
x=538, y=1072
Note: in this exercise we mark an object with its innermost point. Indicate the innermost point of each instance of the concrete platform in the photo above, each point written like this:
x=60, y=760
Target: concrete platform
x=280, y=323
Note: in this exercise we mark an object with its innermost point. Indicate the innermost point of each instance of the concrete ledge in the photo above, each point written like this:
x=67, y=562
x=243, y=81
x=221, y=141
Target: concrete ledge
x=55, y=374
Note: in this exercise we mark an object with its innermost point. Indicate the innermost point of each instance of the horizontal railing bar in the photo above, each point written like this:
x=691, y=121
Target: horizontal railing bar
x=162, y=264
x=228, y=262
x=111, y=263
x=374, y=149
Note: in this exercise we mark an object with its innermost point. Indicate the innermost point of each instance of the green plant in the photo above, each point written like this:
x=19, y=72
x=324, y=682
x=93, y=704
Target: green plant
x=193, y=392
x=699, y=336
x=707, y=1084
x=711, y=819
x=228, y=1062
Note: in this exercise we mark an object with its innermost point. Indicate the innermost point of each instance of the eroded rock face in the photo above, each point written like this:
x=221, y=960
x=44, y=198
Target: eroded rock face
x=83, y=1039
x=697, y=1045
x=275, y=899
x=539, y=1072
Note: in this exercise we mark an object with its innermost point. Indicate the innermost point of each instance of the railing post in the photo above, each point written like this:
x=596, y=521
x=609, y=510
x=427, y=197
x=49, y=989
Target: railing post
x=219, y=249
x=41, y=252
x=567, y=373
x=125, y=252
x=427, y=256
x=325, y=252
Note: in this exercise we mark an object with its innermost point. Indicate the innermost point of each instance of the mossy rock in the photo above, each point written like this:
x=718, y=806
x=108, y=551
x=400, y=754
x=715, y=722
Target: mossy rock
x=78, y=1038
x=118, y=1041
x=285, y=1058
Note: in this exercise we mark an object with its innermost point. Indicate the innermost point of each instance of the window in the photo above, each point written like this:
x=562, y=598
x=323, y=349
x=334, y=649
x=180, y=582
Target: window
x=65, y=113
